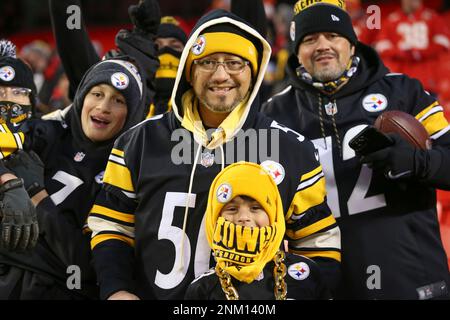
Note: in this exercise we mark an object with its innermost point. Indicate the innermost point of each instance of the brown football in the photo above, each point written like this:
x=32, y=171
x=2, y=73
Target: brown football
x=406, y=126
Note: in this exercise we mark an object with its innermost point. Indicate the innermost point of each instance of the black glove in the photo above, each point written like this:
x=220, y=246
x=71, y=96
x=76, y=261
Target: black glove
x=18, y=221
x=145, y=16
x=400, y=160
x=29, y=167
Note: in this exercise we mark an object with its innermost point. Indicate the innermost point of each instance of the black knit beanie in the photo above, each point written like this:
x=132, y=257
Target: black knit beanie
x=320, y=17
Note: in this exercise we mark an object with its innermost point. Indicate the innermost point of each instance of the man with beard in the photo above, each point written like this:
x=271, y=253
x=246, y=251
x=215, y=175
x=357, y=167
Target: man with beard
x=385, y=202
x=147, y=241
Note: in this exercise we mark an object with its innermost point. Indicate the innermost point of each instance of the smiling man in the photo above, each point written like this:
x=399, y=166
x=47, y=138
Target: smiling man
x=148, y=240
x=391, y=245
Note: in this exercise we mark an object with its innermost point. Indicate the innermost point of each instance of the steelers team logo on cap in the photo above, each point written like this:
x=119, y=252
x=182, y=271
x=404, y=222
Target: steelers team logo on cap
x=224, y=193
x=299, y=271
x=7, y=73
x=375, y=102
x=199, y=46
x=275, y=170
x=120, y=80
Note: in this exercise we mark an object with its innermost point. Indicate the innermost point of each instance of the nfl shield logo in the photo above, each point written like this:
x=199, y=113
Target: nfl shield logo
x=79, y=157
x=331, y=109
x=207, y=159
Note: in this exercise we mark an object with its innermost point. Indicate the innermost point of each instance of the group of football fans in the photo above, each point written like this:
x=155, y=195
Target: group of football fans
x=167, y=164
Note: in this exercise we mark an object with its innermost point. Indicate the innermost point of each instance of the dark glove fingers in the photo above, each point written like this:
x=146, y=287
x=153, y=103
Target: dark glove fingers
x=34, y=235
x=16, y=235
x=25, y=238
x=6, y=235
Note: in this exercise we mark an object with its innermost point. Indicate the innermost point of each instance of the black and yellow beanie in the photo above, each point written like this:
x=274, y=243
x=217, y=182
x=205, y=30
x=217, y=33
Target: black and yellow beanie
x=16, y=73
x=226, y=38
x=170, y=28
x=240, y=250
x=320, y=16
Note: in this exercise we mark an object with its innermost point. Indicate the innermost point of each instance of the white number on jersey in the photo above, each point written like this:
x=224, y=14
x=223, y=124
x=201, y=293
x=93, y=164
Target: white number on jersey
x=358, y=201
x=174, y=234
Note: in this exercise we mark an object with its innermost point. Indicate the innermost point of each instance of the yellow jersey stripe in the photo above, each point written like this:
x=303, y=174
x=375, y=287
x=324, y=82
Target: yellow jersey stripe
x=307, y=198
x=125, y=217
x=109, y=236
x=118, y=152
x=119, y=176
x=435, y=123
x=326, y=254
x=424, y=111
x=313, y=228
x=151, y=111
x=310, y=174
x=10, y=142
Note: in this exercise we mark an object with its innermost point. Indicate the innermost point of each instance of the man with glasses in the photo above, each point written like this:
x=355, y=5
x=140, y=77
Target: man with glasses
x=148, y=238
x=18, y=221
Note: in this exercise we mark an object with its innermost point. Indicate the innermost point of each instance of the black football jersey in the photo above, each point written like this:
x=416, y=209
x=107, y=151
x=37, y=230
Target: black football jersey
x=386, y=225
x=146, y=193
x=303, y=282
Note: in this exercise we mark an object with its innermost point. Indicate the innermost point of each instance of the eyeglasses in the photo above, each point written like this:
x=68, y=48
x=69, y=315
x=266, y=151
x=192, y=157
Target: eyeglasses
x=230, y=66
x=15, y=91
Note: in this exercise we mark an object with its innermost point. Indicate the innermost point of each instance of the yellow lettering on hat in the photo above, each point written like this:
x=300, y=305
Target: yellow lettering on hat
x=247, y=239
x=170, y=19
x=303, y=4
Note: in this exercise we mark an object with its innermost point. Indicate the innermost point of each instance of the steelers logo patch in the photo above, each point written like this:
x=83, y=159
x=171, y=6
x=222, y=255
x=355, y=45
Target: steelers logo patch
x=375, y=102
x=7, y=73
x=199, y=46
x=275, y=170
x=299, y=271
x=224, y=193
x=120, y=80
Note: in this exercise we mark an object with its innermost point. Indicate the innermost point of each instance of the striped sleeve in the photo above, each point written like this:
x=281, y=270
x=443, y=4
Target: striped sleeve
x=112, y=216
x=434, y=121
x=310, y=226
x=9, y=142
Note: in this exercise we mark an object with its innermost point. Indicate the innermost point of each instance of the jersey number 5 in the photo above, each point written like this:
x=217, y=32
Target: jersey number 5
x=175, y=235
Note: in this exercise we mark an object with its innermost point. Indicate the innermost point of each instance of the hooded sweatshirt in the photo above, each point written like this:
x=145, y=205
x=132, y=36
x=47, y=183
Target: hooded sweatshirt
x=146, y=222
x=385, y=224
x=74, y=167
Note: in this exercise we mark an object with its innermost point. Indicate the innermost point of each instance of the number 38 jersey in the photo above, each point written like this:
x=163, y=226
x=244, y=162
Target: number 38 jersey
x=387, y=225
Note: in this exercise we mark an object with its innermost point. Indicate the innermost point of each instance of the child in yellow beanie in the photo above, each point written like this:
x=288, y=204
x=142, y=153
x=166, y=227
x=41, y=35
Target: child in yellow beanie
x=245, y=227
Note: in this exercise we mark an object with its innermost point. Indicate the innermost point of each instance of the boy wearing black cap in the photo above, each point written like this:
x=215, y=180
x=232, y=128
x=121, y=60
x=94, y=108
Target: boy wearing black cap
x=390, y=233
x=245, y=229
x=74, y=149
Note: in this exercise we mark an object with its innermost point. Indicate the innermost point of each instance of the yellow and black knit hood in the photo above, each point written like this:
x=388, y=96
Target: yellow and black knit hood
x=224, y=22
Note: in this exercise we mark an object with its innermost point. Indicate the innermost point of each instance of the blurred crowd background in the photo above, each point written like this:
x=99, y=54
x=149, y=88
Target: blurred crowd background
x=413, y=39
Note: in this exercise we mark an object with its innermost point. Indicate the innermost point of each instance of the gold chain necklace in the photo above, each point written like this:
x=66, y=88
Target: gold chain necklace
x=279, y=272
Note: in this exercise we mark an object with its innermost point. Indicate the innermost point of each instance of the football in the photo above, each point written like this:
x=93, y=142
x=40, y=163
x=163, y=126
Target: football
x=406, y=126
